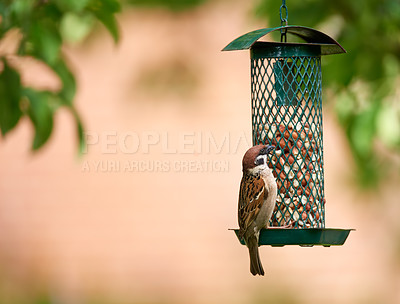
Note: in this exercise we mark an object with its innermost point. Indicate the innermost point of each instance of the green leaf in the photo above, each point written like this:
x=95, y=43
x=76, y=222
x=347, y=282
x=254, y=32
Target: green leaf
x=72, y=5
x=363, y=129
x=48, y=13
x=21, y=8
x=68, y=90
x=104, y=10
x=46, y=42
x=345, y=107
x=4, y=24
x=111, y=6
x=110, y=23
x=10, y=86
x=74, y=27
x=41, y=114
x=388, y=125
x=80, y=131
x=173, y=5
x=3, y=9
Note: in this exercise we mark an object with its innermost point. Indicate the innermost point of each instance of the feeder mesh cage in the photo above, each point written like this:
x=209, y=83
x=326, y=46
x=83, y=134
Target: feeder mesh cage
x=287, y=113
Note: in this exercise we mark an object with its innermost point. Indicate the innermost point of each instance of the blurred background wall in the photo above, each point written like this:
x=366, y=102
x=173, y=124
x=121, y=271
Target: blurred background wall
x=143, y=215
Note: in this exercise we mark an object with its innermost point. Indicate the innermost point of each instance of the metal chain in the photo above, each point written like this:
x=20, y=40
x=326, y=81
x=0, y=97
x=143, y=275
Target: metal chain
x=284, y=21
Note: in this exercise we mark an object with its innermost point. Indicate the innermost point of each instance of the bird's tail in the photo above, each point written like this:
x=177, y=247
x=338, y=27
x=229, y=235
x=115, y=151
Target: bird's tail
x=255, y=262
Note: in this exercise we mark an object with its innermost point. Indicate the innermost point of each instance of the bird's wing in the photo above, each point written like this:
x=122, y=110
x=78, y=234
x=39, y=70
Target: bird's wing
x=251, y=197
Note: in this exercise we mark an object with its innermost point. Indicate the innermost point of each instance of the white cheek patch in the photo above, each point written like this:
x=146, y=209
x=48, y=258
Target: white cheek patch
x=262, y=164
x=261, y=160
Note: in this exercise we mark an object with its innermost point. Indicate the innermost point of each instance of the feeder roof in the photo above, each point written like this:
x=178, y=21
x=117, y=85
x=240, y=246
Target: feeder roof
x=310, y=36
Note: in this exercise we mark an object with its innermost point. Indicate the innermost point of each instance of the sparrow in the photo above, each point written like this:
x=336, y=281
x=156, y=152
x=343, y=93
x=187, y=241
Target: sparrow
x=257, y=198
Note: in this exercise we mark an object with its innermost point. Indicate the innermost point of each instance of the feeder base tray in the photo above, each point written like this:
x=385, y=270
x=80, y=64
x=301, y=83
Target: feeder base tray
x=303, y=237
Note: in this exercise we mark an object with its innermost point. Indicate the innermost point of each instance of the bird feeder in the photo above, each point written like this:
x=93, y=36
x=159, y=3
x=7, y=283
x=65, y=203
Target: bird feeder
x=286, y=102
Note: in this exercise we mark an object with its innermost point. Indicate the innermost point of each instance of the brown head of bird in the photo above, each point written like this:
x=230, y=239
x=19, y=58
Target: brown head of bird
x=255, y=159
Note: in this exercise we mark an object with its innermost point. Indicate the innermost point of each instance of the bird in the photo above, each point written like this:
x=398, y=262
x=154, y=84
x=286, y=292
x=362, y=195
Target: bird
x=257, y=199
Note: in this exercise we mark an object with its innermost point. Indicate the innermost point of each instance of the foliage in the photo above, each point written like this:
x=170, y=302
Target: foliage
x=43, y=26
x=365, y=80
x=173, y=5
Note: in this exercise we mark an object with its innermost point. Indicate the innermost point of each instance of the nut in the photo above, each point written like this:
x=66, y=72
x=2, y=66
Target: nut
x=282, y=129
x=286, y=134
x=288, y=171
x=304, y=178
x=282, y=144
x=289, y=158
x=282, y=161
x=280, y=173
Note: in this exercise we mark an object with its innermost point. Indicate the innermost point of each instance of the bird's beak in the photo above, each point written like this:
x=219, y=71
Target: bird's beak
x=270, y=148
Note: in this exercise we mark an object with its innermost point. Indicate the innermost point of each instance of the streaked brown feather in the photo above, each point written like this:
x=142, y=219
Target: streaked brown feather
x=251, y=197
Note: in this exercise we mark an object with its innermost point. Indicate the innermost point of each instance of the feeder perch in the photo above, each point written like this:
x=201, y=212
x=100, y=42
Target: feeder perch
x=286, y=100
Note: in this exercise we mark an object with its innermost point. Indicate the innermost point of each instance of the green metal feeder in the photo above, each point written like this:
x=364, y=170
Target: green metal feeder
x=286, y=99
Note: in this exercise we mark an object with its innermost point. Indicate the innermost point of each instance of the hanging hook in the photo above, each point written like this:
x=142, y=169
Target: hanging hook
x=284, y=21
